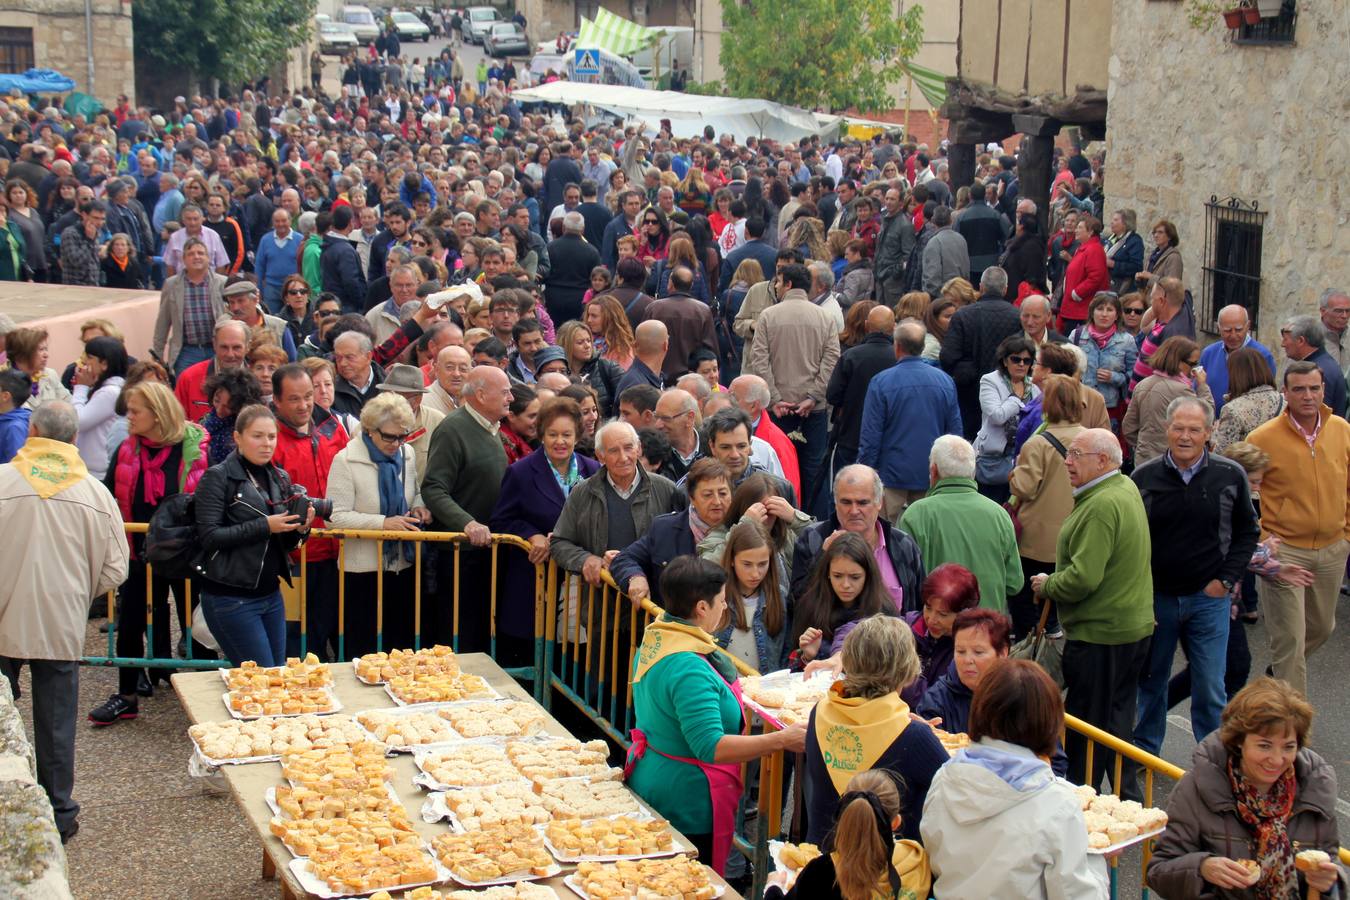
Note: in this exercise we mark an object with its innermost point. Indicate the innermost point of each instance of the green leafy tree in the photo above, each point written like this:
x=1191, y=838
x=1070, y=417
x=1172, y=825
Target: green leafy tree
x=830, y=54
x=232, y=41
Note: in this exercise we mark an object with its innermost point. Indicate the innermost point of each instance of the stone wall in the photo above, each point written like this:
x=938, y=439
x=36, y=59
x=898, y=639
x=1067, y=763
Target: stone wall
x=1193, y=115
x=59, y=42
x=32, y=860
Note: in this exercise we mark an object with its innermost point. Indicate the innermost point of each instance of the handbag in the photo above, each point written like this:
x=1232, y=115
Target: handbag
x=1047, y=652
x=993, y=469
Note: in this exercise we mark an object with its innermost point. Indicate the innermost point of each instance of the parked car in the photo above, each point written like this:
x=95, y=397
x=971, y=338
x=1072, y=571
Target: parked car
x=410, y=27
x=478, y=21
x=362, y=21
x=336, y=38
x=506, y=39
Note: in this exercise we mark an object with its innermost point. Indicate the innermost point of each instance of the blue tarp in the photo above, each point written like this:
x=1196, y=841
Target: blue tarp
x=37, y=81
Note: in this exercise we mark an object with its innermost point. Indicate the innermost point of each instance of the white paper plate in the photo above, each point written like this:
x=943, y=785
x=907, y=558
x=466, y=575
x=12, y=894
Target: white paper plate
x=316, y=886
x=418, y=709
x=1129, y=842
x=575, y=887
x=217, y=763
x=362, y=680
x=427, y=781
x=562, y=857
x=225, y=674
x=553, y=870
x=490, y=695
x=335, y=705
x=270, y=798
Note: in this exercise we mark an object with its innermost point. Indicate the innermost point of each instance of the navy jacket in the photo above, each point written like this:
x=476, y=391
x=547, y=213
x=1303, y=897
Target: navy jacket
x=609, y=241
x=766, y=256
x=530, y=503
x=907, y=407
x=668, y=537
x=340, y=267
x=849, y=383
x=1128, y=261
x=1334, y=378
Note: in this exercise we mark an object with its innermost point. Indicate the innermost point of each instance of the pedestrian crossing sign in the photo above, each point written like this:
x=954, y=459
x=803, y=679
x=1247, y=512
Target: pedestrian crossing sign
x=587, y=63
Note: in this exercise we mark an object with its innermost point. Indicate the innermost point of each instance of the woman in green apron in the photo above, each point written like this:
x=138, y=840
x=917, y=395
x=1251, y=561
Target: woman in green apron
x=688, y=747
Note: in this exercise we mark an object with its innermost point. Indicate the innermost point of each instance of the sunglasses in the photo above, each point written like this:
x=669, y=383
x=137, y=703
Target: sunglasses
x=651, y=222
x=327, y=313
x=297, y=293
x=393, y=438
x=1022, y=360
x=1134, y=310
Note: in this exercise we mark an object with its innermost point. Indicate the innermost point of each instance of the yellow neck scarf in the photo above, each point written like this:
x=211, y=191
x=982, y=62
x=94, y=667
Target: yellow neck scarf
x=49, y=466
x=853, y=732
x=666, y=636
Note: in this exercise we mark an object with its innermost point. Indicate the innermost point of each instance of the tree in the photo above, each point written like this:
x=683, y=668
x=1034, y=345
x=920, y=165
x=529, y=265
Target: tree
x=830, y=54
x=233, y=41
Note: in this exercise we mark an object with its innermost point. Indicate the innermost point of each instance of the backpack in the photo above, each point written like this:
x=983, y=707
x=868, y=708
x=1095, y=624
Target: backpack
x=171, y=545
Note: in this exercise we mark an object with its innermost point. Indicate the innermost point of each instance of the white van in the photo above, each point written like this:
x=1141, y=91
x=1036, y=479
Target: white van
x=363, y=22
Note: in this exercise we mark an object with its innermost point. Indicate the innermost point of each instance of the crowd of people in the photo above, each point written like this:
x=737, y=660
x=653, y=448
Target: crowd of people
x=823, y=407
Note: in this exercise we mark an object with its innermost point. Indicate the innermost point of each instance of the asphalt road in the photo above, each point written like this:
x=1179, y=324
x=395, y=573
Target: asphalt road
x=469, y=55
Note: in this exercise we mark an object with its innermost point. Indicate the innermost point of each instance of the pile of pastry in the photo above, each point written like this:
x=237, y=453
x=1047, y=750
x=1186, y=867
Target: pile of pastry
x=469, y=765
x=252, y=702
x=1111, y=820
x=587, y=799
x=555, y=758
x=499, y=804
x=523, y=890
x=794, y=857
x=356, y=831
x=244, y=739
x=438, y=687
x=511, y=718
x=376, y=668
x=489, y=854
x=297, y=673
x=952, y=742
x=790, y=701
x=678, y=876
x=356, y=767
x=411, y=730
x=619, y=836
x=382, y=867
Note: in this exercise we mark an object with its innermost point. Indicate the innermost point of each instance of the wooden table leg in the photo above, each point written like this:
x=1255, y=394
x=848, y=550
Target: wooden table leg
x=269, y=868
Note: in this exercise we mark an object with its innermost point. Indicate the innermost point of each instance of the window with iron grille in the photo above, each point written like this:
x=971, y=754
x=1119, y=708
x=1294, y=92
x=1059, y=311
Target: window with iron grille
x=16, y=50
x=1277, y=29
x=1232, y=269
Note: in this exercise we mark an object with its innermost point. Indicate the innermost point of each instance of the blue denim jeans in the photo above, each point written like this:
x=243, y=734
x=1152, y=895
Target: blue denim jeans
x=1200, y=624
x=247, y=627
x=192, y=354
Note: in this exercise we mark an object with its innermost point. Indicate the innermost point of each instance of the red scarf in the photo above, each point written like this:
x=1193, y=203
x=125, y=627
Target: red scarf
x=152, y=471
x=1268, y=816
x=1101, y=337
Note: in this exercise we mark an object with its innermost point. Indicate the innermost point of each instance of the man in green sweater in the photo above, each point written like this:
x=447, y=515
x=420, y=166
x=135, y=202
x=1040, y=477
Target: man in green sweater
x=954, y=523
x=1103, y=589
x=465, y=466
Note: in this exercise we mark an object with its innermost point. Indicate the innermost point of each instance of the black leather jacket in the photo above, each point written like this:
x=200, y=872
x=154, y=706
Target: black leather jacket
x=232, y=524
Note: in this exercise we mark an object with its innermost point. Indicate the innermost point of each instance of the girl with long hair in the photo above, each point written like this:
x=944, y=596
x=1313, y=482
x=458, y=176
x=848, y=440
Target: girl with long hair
x=756, y=626
x=845, y=588
x=610, y=330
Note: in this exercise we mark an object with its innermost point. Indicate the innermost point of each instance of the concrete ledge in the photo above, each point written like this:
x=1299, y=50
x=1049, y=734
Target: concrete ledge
x=32, y=860
x=60, y=308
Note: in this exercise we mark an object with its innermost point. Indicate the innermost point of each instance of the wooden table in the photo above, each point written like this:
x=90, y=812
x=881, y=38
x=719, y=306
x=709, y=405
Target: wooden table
x=200, y=694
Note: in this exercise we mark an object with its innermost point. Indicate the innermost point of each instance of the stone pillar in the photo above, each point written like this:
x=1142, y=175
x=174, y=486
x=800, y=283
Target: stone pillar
x=960, y=164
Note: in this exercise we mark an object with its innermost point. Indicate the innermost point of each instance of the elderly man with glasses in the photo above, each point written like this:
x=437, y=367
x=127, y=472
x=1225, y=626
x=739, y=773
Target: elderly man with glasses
x=1234, y=332
x=1103, y=591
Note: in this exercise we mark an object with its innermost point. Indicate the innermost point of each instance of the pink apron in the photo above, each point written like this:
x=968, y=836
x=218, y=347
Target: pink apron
x=724, y=785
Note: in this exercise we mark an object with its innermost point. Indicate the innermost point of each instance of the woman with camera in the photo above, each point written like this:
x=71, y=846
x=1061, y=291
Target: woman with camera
x=373, y=485
x=249, y=517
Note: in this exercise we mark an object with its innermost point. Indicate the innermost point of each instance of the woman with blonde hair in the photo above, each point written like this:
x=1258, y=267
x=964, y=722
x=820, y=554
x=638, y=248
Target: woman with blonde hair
x=835, y=242
x=807, y=235
x=373, y=485
x=611, y=333
x=862, y=859
x=693, y=195
x=912, y=305
x=162, y=455
x=680, y=252
x=864, y=712
x=578, y=347
x=961, y=291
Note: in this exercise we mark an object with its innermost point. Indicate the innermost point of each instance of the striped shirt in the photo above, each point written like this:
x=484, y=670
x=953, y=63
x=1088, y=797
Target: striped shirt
x=198, y=322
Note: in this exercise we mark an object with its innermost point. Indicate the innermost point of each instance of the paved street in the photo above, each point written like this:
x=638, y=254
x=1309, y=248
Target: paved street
x=470, y=54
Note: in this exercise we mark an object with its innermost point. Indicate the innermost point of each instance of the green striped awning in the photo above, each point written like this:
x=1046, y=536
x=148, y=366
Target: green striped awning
x=933, y=85
x=615, y=34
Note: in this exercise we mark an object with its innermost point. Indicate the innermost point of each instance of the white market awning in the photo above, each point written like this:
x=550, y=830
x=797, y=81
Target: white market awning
x=690, y=113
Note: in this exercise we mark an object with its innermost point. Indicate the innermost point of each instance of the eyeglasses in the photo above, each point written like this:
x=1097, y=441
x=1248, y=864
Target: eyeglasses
x=327, y=313
x=1134, y=310
x=1022, y=360
x=1075, y=453
x=651, y=222
x=393, y=438
x=1192, y=362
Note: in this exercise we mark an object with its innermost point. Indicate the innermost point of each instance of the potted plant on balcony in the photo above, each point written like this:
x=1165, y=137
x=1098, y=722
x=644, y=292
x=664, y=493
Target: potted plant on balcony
x=1232, y=18
x=1250, y=14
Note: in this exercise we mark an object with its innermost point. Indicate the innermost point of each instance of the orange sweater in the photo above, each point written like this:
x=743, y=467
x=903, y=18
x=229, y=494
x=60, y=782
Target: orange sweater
x=1305, y=495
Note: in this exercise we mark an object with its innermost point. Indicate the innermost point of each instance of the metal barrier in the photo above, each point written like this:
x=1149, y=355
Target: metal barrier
x=300, y=593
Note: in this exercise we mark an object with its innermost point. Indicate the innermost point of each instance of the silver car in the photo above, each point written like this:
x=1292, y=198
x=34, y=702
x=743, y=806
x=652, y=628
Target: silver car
x=410, y=27
x=506, y=39
x=336, y=38
x=478, y=21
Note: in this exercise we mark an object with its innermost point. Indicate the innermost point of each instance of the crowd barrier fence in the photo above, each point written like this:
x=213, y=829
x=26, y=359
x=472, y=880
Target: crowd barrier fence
x=586, y=637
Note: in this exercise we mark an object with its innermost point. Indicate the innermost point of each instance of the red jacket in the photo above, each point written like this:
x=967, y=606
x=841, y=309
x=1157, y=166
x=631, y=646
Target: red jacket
x=190, y=389
x=772, y=435
x=306, y=458
x=1087, y=274
x=867, y=232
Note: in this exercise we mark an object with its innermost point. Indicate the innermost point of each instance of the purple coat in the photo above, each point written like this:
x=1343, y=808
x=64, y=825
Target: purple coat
x=935, y=655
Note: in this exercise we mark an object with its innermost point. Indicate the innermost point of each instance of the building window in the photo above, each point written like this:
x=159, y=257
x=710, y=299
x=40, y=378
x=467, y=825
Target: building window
x=1233, y=236
x=1278, y=29
x=16, y=50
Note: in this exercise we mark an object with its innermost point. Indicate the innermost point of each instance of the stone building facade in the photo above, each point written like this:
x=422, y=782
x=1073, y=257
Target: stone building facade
x=1242, y=114
x=52, y=34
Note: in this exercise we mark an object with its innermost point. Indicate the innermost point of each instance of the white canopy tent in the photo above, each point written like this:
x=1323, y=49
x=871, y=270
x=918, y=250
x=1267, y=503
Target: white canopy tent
x=689, y=113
